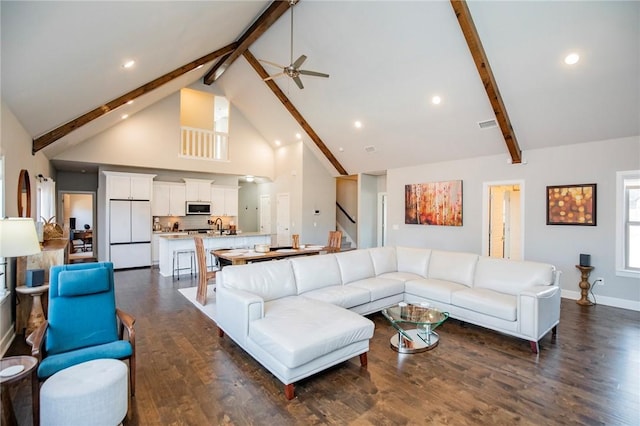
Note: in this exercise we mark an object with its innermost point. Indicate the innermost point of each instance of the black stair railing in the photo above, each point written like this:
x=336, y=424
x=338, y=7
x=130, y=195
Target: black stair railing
x=345, y=213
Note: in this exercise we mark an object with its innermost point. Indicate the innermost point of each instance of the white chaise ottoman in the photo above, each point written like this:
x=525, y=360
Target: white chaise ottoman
x=92, y=393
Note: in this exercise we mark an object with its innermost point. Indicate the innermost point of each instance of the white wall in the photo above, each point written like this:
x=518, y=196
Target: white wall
x=15, y=146
x=319, y=193
x=150, y=139
x=595, y=162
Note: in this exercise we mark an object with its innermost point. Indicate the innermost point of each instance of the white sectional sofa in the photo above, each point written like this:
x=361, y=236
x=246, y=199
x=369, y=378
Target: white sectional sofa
x=302, y=315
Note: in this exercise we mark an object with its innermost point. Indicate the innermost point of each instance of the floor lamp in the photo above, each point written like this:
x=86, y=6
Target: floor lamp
x=18, y=237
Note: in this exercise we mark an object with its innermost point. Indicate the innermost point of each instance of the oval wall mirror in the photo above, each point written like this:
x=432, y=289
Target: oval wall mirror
x=24, y=194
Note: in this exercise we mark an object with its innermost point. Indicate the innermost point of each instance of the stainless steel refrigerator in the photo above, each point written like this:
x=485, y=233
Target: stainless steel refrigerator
x=130, y=233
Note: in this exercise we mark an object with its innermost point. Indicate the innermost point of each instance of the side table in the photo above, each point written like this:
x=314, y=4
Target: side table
x=36, y=316
x=28, y=364
x=584, y=285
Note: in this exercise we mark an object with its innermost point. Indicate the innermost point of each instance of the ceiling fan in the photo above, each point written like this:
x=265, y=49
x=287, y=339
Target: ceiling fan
x=293, y=69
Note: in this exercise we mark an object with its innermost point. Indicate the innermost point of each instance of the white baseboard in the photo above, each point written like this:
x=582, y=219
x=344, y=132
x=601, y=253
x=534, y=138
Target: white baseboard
x=7, y=339
x=604, y=300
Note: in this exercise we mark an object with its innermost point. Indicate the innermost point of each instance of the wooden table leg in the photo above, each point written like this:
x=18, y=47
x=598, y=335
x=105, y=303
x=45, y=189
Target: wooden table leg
x=8, y=416
x=35, y=397
x=36, y=316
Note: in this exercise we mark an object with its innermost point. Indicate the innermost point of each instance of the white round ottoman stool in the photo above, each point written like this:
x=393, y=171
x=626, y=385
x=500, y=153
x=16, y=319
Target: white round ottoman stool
x=92, y=393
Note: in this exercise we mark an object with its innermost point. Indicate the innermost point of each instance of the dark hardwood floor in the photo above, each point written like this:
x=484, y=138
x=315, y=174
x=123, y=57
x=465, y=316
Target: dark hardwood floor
x=188, y=376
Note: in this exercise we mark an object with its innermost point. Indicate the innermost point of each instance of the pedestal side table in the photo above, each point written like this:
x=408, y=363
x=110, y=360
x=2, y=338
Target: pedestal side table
x=12, y=370
x=36, y=316
x=584, y=285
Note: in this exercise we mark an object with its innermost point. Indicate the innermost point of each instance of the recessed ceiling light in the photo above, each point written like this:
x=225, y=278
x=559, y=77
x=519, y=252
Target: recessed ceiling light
x=130, y=102
x=128, y=64
x=358, y=124
x=125, y=116
x=341, y=149
x=571, y=59
x=298, y=136
x=277, y=143
x=436, y=100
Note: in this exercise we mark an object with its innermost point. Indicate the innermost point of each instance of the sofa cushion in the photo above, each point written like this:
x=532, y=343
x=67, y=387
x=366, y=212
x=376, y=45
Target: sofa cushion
x=313, y=272
x=401, y=276
x=340, y=295
x=297, y=330
x=414, y=260
x=269, y=280
x=355, y=265
x=487, y=302
x=379, y=288
x=457, y=267
x=384, y=259
x=437, y=290
x=511, y=276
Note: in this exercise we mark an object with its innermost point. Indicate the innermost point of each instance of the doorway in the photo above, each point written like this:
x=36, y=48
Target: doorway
x=265, y=214
x=283, y=220
x=78, y=212
x=503, y=214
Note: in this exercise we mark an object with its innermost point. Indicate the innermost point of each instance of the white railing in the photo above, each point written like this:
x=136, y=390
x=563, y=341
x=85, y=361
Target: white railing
x=203, y=144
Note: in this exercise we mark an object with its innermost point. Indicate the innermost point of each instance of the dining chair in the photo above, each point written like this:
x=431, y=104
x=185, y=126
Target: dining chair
x=83, y=323
x=335, y=241
x=204, y=275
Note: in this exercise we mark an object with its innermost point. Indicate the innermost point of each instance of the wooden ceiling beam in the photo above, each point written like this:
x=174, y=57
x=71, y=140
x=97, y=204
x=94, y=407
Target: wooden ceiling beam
x=275, y=10
x=59, y=132
x=294, y=112
x=486, y=75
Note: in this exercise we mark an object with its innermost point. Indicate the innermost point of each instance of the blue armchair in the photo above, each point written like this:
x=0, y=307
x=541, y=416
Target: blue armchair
x=84, y=323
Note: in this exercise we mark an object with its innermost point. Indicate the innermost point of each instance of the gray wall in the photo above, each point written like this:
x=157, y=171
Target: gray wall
x=595, y=162
x=248, y=205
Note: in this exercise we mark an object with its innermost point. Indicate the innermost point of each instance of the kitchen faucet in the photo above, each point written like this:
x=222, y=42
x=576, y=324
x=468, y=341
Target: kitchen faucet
x=218, y=223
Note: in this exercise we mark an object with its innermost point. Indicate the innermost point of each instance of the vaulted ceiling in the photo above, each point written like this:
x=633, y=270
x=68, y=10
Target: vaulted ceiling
x=386, y=60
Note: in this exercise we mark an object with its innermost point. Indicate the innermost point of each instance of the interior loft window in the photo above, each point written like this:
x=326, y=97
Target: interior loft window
x=45, y=198
x=628, y=223
x=204, y=126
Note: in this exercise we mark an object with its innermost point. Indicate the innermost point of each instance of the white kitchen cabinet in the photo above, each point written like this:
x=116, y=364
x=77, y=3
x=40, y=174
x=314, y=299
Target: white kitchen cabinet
x=129, y=186
x=168, y=199
x=231, y=201
x=198, y=190
x=224, y=201
x=217, y=201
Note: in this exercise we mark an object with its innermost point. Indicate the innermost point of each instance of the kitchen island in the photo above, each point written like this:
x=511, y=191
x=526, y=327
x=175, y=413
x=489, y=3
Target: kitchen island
x=169, y=243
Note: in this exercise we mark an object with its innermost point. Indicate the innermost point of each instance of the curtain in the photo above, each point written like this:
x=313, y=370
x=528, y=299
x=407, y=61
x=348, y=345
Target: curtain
x=46, y=199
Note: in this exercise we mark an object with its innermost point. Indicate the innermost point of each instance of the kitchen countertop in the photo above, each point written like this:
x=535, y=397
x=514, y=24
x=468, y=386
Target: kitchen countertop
x=185, y=236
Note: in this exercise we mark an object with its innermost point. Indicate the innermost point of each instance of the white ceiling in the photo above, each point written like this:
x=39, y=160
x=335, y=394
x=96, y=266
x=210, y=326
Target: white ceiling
x=386, y=60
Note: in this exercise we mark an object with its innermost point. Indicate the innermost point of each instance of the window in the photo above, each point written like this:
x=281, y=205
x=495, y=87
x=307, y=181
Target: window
x=628, y=223
x=204, y=126
x=45, y=198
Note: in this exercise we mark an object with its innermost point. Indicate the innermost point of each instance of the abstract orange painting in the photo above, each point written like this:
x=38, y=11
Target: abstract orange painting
x=435, y=203
x=571, y=205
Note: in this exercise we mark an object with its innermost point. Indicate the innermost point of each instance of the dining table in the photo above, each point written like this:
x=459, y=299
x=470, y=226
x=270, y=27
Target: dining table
x=244, y=256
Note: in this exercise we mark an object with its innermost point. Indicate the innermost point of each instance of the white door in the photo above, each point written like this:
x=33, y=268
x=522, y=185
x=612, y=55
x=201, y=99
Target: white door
x=502, y=235
x=283, y=220
x=382, y=219
x=119, y=221
x=141, y=221
x=265, y=214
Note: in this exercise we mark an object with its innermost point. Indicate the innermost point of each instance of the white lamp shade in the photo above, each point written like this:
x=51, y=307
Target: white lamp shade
x=18, y=237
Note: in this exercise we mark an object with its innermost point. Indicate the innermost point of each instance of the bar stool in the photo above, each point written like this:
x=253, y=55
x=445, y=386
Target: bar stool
x=176, y=261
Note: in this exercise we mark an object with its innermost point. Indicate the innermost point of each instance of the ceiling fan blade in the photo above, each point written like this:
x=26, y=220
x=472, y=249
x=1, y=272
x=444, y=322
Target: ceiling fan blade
x=299, y=61
x=298, y=82
x=273, y=64
x=313, y=73
x=271, y=77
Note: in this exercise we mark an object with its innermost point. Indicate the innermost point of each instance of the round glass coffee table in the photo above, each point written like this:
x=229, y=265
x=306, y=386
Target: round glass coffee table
x=419, y=339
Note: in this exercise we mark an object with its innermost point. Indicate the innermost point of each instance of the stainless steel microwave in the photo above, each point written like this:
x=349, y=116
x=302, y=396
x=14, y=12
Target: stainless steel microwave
x=194, y=207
